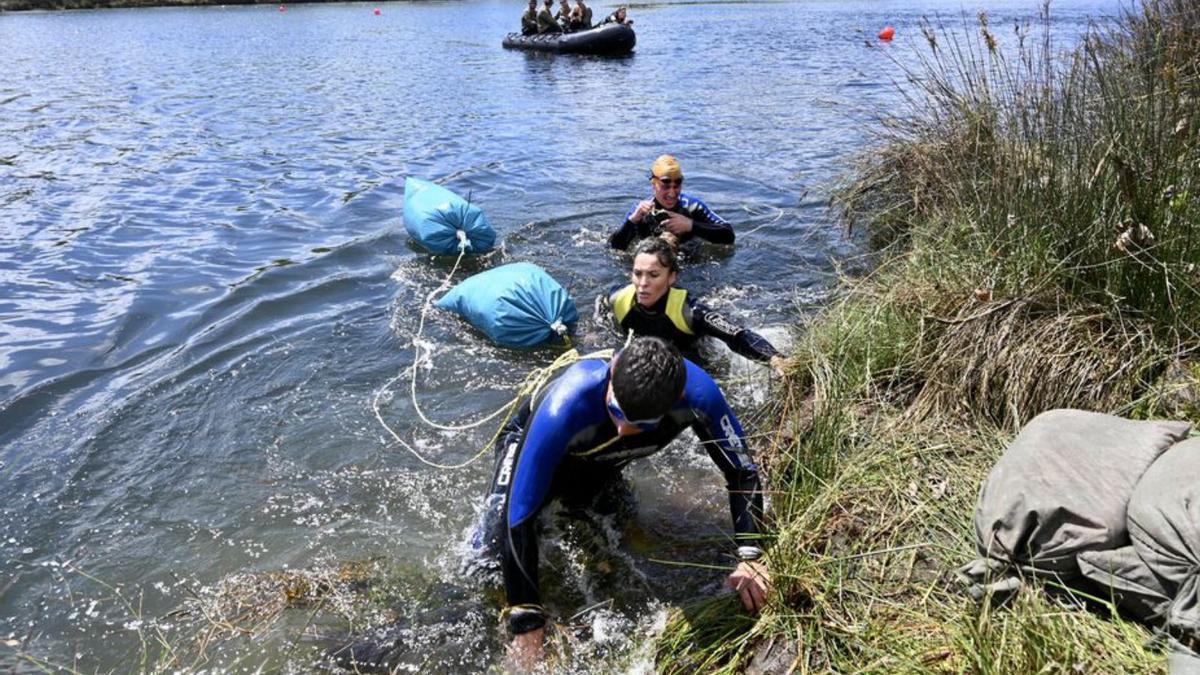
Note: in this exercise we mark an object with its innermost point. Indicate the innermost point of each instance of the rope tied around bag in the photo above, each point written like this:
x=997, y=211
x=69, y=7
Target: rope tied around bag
x=560, y=329
x=532, y=383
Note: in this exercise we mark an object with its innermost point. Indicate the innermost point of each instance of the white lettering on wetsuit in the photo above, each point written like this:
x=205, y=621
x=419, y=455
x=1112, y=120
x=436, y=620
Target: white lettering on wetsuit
x=722, y=324
x=506, y=467
x=731, y=436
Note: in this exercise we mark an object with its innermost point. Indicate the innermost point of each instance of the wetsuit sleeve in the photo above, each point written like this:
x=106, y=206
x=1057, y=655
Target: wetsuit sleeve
x=628, y=232
x=721, y=434
x=708, y=225
x=706, y=321
x=532, y=469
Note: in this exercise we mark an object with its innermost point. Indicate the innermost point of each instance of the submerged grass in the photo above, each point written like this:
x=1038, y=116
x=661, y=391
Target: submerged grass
x=1035, y=219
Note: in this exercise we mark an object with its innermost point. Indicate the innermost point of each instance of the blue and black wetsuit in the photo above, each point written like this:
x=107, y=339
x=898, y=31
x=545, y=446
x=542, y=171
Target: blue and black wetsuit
x=564, y=442
x=705, y=224
x=681, y=320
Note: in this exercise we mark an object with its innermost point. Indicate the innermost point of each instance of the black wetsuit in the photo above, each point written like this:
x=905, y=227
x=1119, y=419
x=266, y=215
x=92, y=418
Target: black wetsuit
x=682, y=321
x=705, y=224
x=564, y=444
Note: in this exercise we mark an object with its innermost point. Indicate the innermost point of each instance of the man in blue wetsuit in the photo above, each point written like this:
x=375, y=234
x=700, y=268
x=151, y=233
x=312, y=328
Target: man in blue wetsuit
x=573, y=438
x=670, y=210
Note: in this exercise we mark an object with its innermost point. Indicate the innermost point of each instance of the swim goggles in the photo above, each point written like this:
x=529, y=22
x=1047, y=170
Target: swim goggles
x=614, y=408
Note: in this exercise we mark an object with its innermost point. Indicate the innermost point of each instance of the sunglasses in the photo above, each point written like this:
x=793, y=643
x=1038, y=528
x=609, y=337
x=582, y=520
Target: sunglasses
x=615, y=409
x=669, y=183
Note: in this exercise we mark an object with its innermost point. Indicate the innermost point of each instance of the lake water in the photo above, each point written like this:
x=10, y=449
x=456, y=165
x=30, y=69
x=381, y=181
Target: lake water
x=205, y=282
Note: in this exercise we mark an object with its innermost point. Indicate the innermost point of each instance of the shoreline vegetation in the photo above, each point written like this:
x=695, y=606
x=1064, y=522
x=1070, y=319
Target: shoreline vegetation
x=1035, y=228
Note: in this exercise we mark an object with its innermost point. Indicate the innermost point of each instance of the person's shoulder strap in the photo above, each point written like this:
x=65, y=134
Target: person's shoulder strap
x=622, y=302
x=676, y=302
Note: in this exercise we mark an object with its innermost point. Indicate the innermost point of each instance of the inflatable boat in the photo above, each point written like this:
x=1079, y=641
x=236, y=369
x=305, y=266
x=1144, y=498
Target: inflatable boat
x=611, y=39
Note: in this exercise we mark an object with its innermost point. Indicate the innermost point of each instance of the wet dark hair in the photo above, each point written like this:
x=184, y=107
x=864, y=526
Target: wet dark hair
x=661, y=249
x=648, y=377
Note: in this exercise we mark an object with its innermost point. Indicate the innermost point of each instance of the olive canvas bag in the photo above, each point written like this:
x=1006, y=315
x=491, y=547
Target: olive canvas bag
x=1061, y=488
x=1164, y=525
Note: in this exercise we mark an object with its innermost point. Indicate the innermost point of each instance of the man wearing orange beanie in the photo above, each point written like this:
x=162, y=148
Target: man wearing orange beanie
x=670, y=210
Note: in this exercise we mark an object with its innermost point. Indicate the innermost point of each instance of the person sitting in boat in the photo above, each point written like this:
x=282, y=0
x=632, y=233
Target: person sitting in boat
x=570, y=442
x=670, y=210
x=653, y=305
x=581, y=16
x=529, y=25
x=618, y=16
x=563, y=16
x=545, y=19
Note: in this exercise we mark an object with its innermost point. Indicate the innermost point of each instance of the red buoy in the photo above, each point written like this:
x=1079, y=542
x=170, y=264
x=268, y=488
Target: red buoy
x=377, y=12
x=887, y=33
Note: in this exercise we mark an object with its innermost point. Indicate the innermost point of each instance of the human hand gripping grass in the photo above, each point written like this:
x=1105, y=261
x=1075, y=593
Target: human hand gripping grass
x=752, y=581
x=779, y=364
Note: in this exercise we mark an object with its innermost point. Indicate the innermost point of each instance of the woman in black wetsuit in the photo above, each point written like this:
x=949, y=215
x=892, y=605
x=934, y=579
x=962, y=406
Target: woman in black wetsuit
x=652, y=305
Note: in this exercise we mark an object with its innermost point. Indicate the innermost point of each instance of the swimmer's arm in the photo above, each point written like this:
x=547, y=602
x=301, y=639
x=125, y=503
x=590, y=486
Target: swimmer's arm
x=541, y=451
x=750, y=578
x=707, y=225
x=624, y=236
x=741, y=340
x=723, y=438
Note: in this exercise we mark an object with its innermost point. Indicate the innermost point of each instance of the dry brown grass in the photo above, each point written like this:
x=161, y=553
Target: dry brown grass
x=997, y=361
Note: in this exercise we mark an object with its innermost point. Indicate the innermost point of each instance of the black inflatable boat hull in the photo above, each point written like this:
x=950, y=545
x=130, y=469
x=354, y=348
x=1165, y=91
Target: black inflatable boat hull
x=608, y=40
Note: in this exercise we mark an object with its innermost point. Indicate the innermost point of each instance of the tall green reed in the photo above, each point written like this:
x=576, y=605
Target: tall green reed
x=1041, y=174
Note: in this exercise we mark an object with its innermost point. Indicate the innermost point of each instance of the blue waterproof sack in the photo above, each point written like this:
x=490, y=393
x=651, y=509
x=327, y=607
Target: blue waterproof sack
x=434, y=215
x=517, y=305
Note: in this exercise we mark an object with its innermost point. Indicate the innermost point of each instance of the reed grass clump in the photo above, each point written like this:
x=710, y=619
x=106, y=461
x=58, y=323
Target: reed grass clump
x=1023, y=174
x=1035, y=224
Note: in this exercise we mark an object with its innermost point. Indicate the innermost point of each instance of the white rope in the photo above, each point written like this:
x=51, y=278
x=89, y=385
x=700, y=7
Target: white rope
x=532, y=383
x=778, y=215
x=462, y=246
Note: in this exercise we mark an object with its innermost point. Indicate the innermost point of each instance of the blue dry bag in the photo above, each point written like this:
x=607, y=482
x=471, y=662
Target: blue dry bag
x=434, y=215
x=517, y=305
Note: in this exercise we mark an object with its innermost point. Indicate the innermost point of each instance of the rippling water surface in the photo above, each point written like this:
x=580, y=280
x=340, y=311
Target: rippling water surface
x=205, y=281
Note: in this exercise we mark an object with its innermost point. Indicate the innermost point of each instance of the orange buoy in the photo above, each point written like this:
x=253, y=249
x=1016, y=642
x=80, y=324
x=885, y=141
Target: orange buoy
x=887, y=33
x=377, y=12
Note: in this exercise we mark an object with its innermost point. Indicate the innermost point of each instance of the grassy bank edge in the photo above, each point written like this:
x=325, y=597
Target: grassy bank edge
x=1037, y=241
